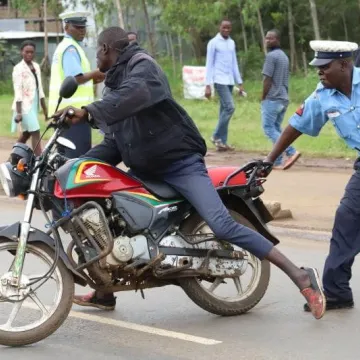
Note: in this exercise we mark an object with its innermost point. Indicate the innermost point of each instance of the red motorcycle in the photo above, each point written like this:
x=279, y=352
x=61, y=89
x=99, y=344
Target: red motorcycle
x=123, y=234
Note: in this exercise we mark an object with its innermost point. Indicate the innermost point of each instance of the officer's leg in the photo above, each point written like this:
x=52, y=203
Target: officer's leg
x=344, y=245
x=80, y=135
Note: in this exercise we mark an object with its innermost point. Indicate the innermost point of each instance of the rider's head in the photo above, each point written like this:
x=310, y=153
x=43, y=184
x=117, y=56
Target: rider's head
x=111, y=43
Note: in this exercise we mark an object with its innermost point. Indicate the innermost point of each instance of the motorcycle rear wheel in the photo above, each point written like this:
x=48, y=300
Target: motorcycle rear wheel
x=51, y=318
x=226, y=306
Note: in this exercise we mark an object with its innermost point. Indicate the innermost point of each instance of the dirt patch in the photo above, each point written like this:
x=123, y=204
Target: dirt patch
x=237, y=158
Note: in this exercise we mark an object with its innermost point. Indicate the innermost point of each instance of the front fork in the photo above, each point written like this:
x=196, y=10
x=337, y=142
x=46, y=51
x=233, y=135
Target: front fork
x=25, y=228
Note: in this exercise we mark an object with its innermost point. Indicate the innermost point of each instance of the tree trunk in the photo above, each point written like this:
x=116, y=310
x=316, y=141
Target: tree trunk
x=172, y=55
x=261, y=27
x=148, y=28
x=345, y=26
x=304, y=63
x=243, y=29
x=120, y=13
x=167, y=42
x=180, y=50
x=315, y=19
x=196, y=44
x=45, y=62
x=293, y=57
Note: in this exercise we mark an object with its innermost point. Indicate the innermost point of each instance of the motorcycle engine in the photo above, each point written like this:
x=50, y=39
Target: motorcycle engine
x=95, y=226
x=124, y=249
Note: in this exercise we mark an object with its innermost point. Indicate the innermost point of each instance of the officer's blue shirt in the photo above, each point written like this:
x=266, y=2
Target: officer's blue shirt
x=329, y=104
x=71, y=61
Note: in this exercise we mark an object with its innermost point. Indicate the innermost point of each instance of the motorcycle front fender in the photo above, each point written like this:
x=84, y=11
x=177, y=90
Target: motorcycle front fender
x=11, y=232
x=254, y=210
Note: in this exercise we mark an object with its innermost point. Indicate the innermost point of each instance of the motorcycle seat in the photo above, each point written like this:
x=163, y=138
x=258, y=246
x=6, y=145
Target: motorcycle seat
x=160, y=189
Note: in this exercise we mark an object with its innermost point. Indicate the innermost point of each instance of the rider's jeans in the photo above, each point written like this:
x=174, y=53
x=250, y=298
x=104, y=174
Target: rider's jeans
x=190, y=178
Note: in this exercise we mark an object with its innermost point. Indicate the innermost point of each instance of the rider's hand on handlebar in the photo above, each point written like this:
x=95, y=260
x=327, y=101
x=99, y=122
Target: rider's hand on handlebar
x=72, y=115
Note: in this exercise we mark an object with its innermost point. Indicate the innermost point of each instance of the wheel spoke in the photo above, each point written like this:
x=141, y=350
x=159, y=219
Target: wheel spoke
x=238, y=285
x=44, y=311
x=215, y=284
x=15, y=310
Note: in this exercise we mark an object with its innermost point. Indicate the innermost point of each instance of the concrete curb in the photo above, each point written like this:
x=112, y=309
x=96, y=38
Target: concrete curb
x=276, y=211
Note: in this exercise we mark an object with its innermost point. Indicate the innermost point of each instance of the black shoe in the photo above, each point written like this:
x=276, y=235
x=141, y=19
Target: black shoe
x=107, y=303
x=333, y=304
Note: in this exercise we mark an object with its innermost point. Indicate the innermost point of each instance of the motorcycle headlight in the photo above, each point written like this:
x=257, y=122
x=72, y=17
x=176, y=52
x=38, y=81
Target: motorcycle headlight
x=13, y=182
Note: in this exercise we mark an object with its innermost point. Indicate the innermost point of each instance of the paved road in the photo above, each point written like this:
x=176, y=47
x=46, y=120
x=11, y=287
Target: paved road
x=167, y=325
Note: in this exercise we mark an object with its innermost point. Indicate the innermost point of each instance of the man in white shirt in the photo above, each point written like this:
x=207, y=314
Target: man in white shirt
x=222, y=71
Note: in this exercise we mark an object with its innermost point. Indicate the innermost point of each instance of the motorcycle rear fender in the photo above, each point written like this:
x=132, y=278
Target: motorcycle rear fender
x=253, y=210
x=11, y=232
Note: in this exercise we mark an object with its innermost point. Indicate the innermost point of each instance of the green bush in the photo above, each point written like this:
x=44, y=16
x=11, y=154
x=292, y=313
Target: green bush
x=6, y=87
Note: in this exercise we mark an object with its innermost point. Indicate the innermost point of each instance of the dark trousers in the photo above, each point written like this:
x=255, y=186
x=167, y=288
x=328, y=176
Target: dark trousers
x=345, y=241
x=80, y=135
x=190, y=178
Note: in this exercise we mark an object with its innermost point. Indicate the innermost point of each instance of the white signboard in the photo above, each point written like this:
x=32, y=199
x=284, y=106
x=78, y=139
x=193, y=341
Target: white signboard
x=194, y=82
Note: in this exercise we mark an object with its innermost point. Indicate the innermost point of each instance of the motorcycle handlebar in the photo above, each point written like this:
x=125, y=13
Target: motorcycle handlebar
x=60, y=121
x=252, y=169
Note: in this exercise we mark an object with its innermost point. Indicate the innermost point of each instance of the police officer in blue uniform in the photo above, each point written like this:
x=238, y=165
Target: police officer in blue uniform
x=335, y=99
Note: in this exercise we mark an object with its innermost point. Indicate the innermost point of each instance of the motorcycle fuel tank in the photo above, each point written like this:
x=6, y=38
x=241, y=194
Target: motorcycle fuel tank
x=91, y=178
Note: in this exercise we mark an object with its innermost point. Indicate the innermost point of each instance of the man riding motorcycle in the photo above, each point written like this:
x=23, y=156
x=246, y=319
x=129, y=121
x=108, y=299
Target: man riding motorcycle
x=154, y=136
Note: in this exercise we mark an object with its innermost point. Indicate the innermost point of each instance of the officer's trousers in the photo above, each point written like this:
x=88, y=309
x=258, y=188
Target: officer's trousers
x=345, y=241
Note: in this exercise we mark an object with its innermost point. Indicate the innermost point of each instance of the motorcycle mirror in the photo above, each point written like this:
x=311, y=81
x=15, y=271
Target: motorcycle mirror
x=67, y=89
x=66, y=143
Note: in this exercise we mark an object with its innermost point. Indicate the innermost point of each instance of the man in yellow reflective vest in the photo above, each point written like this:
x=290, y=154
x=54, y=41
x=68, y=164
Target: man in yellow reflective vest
x=70, y=60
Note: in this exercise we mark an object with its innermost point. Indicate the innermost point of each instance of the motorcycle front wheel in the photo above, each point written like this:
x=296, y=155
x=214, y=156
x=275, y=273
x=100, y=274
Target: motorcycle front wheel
x=34, y=311
x=227, y=296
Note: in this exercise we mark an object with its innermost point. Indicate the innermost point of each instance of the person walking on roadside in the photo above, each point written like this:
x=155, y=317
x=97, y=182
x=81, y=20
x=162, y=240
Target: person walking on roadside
x=28, y=94
x=335, y=99
x=275, y=97
x=222, y=71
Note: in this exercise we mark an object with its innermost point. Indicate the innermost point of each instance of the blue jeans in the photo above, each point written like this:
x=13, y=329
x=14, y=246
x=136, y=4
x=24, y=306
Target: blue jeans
x=345, y=242
x=190, y=178
x=226, y=111
x=272, y=114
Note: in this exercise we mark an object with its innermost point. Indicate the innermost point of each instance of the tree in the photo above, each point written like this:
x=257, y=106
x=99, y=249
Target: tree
x=293, y=57
x=120, y=13
x=149, y=27
x=315, y=19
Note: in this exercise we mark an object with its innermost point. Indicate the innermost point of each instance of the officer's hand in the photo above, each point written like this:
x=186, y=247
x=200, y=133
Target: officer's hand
x=266, y=169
